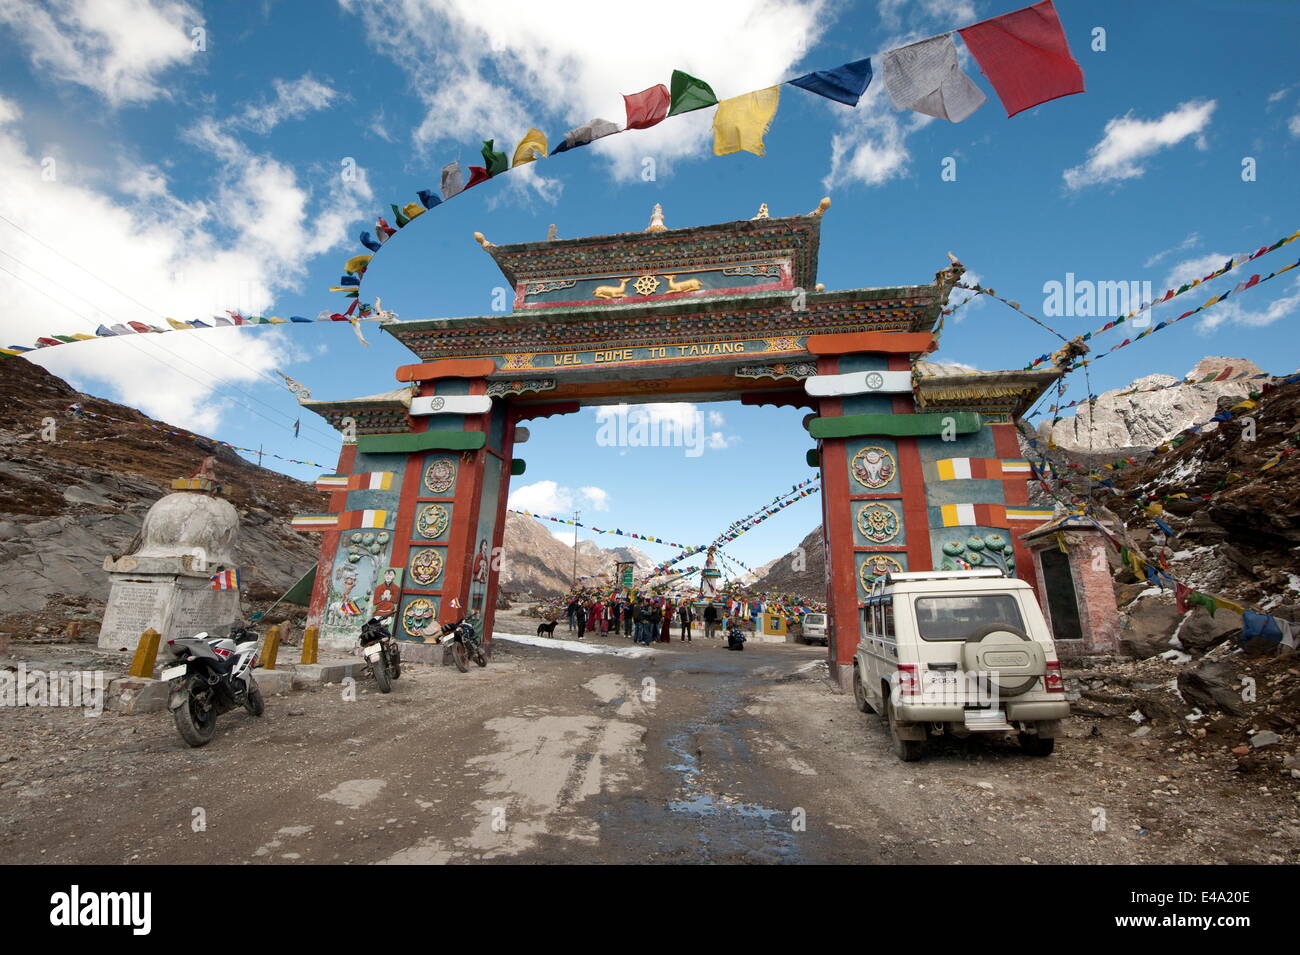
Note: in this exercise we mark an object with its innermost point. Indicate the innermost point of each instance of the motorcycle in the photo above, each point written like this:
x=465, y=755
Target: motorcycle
x=208, y=676
x=465, y=644
x=735, y=638
x=383, y=655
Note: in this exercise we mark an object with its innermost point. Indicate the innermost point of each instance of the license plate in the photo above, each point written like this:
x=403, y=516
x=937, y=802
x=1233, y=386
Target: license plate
x=372, y=652
x=172, y=673
x=940, y=679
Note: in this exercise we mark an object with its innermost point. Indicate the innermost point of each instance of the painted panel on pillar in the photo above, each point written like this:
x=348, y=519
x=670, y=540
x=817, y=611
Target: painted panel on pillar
x=483, y=535
x=362, y=555
x=873, y=466
x=432, y=522
x=356, y=571
x=878, y=523
x=956, y=548
x=872, y=565
x=425, y=567
x=418, y=619
x=439, y=477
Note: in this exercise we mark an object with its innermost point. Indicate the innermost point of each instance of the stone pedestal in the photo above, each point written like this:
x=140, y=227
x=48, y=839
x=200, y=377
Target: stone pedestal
x=176, y=605
x=166, y=584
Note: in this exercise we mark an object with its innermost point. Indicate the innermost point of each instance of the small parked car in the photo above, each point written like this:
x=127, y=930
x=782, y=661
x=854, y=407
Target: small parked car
x=958, y=652
x=813, y=628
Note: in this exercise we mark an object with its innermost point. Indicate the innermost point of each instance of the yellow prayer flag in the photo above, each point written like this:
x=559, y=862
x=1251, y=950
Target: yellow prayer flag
x=179, y=326
x=84, y=338
x=741, y=122
x=413, y=209
x=530, y=148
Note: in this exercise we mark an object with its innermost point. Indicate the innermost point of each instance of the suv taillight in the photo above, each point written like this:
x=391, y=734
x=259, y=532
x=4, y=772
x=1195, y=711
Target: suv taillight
x=1052, y=680
x=908, y=682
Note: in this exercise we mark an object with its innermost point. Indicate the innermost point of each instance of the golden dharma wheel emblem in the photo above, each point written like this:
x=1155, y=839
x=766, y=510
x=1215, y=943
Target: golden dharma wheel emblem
x=646, y=285
x=877, y=565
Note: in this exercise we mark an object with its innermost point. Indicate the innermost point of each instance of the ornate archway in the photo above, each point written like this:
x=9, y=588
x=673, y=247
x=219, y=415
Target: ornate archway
x=912, y=458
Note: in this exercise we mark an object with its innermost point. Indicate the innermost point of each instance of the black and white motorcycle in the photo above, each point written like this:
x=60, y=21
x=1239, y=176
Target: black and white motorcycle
x=210, y=675
x=383, y=655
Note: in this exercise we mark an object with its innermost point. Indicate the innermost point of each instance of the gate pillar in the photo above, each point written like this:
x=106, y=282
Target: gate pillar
x=874, y=516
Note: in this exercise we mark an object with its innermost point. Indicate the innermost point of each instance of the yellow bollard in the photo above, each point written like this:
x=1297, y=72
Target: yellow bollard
x=309, y=637
x=146, y=654
x=271, y=648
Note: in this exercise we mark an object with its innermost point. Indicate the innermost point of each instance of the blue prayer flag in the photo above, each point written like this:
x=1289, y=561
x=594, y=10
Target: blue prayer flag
x=844, y=84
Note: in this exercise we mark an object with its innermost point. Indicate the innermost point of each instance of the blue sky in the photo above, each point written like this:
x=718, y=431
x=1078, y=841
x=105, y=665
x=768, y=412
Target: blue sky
x=144, y=177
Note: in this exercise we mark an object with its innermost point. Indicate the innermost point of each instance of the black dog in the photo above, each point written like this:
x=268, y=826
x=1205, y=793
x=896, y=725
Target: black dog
x=546, y=629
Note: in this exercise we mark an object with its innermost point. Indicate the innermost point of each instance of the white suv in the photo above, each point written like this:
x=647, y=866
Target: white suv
x=962, y=652
x=813, y=627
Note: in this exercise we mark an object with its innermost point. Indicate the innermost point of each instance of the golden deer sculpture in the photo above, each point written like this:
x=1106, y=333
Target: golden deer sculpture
x=612, y=291
x=690, y=285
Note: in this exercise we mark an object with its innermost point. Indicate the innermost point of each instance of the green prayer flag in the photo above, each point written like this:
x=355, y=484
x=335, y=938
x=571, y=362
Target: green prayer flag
x=397, y=214
x=688, y=93
x=1202, y=600
x=494, y=162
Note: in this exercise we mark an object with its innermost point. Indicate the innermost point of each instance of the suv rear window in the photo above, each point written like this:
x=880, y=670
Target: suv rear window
x=816, y=619
x=961, y=616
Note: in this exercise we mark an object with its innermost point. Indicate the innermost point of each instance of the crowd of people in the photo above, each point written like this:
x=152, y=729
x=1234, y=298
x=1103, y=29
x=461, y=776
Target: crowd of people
x=645, y=620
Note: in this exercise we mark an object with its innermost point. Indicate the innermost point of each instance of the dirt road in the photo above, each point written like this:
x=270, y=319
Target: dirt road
x=688, y=753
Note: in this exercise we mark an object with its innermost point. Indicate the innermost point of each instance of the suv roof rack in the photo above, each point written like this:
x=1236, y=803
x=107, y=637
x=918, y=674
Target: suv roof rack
x=910, y=575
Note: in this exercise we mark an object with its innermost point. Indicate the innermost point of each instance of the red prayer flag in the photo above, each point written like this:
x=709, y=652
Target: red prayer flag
x=140, y=327
x=647, y=108
x=1025, y=56
x=477, y=174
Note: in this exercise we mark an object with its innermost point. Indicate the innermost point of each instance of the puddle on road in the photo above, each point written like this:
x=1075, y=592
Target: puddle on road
x=726, y=825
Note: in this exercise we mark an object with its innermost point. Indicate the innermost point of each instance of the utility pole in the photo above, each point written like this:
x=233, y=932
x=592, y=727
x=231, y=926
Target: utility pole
x=576, y=515
x=259, y=454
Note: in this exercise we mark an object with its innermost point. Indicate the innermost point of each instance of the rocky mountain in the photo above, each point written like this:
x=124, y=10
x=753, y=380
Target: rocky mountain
x=802, y=571
x=75, y=488
x=537, y=562
x=1145, y=418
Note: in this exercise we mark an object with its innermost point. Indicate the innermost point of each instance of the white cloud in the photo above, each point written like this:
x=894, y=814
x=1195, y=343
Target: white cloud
x=293, y=99
x=1128, y=141
x=249, y=238
x=1195, y=268
x=597, y=497
x=1238, y=312
x=1293, y=124
x=118, y=48
x=490, y=71
x=555, y=500
x=871, y=145
x=1234, y=311
x=1183, y=246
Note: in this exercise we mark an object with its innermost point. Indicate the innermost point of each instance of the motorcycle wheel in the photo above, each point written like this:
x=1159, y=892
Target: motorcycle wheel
x=460, y=656
x=254, y=702
x=480, y=657
x=196, y=728
x=380, y=669
x=395, y=663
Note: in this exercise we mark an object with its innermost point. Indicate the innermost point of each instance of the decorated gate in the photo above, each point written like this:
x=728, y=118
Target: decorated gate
x=920, y=463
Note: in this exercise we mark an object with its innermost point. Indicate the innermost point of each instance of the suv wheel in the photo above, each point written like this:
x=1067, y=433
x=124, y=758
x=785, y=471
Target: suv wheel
x=908, y=750
x=860, y=692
